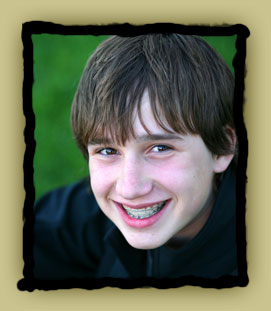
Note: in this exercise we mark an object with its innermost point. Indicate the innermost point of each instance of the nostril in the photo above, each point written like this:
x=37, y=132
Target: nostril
x=131, y=189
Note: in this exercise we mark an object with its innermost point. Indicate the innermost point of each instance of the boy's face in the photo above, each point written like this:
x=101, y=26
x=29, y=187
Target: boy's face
x=164, y=182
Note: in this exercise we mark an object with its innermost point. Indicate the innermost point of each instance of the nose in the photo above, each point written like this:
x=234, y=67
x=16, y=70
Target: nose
x=133, y=181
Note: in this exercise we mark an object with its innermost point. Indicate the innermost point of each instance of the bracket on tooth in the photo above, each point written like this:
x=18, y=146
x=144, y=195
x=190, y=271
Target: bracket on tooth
x=144, y=212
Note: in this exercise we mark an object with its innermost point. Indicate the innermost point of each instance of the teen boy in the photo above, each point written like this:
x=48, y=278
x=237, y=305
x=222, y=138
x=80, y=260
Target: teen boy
x=153, y=117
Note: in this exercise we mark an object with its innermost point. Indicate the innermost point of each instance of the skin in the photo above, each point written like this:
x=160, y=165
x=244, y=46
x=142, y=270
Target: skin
x=147, y=170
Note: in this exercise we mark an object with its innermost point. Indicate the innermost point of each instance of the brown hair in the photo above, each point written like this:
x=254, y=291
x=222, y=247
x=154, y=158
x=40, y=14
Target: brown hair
x=187, y=81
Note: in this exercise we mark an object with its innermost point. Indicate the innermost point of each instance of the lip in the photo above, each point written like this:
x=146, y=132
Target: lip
x=140, y=223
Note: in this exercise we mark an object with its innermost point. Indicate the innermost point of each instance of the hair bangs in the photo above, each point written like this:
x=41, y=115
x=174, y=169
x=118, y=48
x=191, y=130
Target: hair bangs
x=189, y=86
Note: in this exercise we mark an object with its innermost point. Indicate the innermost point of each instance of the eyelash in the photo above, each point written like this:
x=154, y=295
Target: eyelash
x=114, y=151
x=106, y=149
x=166, y=148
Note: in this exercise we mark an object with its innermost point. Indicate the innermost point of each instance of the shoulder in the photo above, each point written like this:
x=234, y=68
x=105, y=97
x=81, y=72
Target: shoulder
x=75, y=200
x=68, y=232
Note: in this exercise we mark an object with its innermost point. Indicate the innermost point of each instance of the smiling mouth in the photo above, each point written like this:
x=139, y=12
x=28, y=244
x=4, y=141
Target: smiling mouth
x=142, y=213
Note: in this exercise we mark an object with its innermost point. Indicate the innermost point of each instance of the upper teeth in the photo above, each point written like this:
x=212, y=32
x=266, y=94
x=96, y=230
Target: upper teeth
x=144, y=212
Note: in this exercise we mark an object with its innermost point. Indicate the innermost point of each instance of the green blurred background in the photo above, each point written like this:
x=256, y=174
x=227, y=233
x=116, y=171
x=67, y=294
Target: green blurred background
x=58, y=64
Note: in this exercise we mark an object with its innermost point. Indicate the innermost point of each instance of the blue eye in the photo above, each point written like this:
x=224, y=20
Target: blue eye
x=108, y=151
x=160, y=148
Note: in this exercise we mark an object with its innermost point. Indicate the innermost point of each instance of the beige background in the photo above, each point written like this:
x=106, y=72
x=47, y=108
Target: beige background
x=256, y=16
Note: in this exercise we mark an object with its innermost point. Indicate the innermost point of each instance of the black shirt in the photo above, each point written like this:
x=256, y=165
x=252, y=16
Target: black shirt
x=74, y=239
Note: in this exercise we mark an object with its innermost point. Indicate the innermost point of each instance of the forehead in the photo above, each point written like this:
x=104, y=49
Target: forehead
x=144, y=121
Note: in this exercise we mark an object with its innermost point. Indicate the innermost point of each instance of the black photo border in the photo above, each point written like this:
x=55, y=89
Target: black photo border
x=29, y=283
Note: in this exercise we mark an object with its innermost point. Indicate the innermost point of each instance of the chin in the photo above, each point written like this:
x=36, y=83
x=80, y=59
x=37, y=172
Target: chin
x=144, y=243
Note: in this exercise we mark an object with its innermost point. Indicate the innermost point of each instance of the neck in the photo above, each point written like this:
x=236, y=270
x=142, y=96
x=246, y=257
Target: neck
x=194, y=227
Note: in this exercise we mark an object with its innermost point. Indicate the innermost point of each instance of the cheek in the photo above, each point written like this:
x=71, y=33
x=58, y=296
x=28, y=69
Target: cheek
x=101, y=178
x=186, y=177
x=173, y=175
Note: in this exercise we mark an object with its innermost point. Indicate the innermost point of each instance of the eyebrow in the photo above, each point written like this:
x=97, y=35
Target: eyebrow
x=141, y=138
x=151, y=137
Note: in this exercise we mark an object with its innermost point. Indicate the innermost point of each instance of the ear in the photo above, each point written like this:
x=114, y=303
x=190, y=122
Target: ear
x=223, y=161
